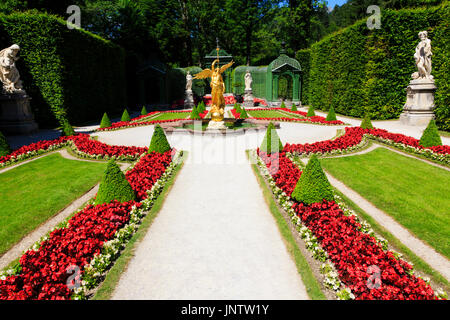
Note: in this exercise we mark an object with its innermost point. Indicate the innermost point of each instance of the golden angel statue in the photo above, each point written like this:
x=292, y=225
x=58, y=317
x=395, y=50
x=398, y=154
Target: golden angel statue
x=217, y=88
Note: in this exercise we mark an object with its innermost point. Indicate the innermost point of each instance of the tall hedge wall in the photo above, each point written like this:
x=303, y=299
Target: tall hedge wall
x=68, y=73
x=304, y=57
x=359, y=71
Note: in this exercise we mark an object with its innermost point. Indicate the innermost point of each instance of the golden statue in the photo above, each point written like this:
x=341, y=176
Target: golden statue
x=217, y=88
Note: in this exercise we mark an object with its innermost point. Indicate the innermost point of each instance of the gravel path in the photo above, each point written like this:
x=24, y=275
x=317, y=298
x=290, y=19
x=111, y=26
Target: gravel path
x=214, y=238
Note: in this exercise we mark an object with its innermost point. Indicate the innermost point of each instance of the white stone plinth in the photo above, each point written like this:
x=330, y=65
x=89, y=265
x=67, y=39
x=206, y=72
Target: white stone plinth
x=216, y=125
x=418, y=109
x=189, y=99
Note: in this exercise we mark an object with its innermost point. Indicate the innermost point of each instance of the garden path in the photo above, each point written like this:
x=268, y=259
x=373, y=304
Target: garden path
x=214, y=237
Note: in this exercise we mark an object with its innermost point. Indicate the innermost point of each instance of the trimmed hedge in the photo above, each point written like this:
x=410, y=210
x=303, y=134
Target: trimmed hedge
x=114, y=186
x=159, y=141
x=71, y=75
x=311, y=112
x=5, y=149
x=366, y=123
x=430, y=136
x=304, y=57
x=271, y=137
x=243, y=114
x=105, y=123
x=294, y=107
x=125, y=116
x=144, y=111
x=359, y=71
x=331, y=116
x=313, y=185
x=195, y=114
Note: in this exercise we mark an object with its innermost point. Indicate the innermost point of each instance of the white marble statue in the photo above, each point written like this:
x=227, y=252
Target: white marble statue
x=423, y=58
x=248, y=81
x=188, y=81
x=9, y=75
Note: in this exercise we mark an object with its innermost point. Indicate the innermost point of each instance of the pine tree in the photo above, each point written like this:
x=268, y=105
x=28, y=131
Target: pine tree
x=114, y=186
x=366, y=123
x=331, y=116
x=311, y=112
x=159, y=141
x=271, y=139
x=144, y=111
x=313, y=185
x=5, y=149
x=125, y=116
x=430, y=136
x=105, y=123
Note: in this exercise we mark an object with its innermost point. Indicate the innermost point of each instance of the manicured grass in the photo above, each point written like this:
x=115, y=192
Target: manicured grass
x=34, y=192
x=268, y=114
x=303, y=268
x=414, y=193
x=106, y=289
x=167, y=116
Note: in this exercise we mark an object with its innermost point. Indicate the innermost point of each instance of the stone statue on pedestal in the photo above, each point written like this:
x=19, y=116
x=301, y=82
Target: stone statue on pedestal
x=418, y=109
x=15, y=111
x=189, y=97
x=248, y=93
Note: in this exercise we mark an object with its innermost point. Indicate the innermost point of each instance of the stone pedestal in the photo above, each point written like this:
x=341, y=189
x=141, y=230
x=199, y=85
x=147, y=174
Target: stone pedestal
x=216, y=125
x=418, y=109
x=248, y=99
x=189, y=99
x=15, y=114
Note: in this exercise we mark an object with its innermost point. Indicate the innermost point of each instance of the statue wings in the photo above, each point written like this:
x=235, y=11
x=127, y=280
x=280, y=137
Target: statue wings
x=225, y=67
x=207, y=73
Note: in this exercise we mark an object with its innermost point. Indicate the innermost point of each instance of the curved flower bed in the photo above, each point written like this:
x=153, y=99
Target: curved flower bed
x=43, y=271
x=81, y=144
x=354, y=138
x=314, y=119
x=347, y=244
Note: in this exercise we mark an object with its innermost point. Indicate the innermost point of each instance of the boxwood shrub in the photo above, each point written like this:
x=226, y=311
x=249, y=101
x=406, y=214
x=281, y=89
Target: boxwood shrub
x=114, y=186
x=159, y=141
x=430, y=136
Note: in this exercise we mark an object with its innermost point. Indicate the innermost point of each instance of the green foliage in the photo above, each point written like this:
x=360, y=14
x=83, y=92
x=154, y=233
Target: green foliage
x=359, y=71
x=271, y=139
x=366, y=123
x=67, y=129
x=430, y=136
x=294, y=107
x=159, y=141
x=313, y=185
x=243, y=114
x=283, y=105
x=125, y=116
x=311, y=112
x=304, y=57
x=5, y=149
x=195, y=114
x=331, y=116
x=114, y=186
x=144, y=111
x=70, y=74
x=105, y=123
x=201, y=107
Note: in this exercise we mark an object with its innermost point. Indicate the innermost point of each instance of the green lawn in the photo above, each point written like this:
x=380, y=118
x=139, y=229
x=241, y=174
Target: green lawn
x=414, y=193
x=268, y=114
x=167, y=116
x=34, y=192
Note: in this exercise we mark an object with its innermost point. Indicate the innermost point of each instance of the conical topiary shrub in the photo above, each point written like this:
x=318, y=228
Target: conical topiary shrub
x=283, y=105
x=5, y=149
x=366, y=123
x=201, y=107
x=271, y=142
x=311, y=112
x=331, y=116
x=114, y=186
x=430, y=136
x=159, y=141
x=144, y=111
x=105, y=123
x=125, y=116
x=313, y=185
x=243, y=114
x=67, y=129
x=195, y=114
x=294, y=107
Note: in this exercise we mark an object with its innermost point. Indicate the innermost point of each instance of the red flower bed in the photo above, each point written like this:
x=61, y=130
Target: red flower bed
x=93, y=147
x=260, y=101
x=351, y=251
x=147, y=171
x=45, y=272
x=203, y=114
x=353, y=136
x=235, y=114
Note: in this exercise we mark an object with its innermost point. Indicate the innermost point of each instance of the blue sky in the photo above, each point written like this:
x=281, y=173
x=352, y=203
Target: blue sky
x=332, y=3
